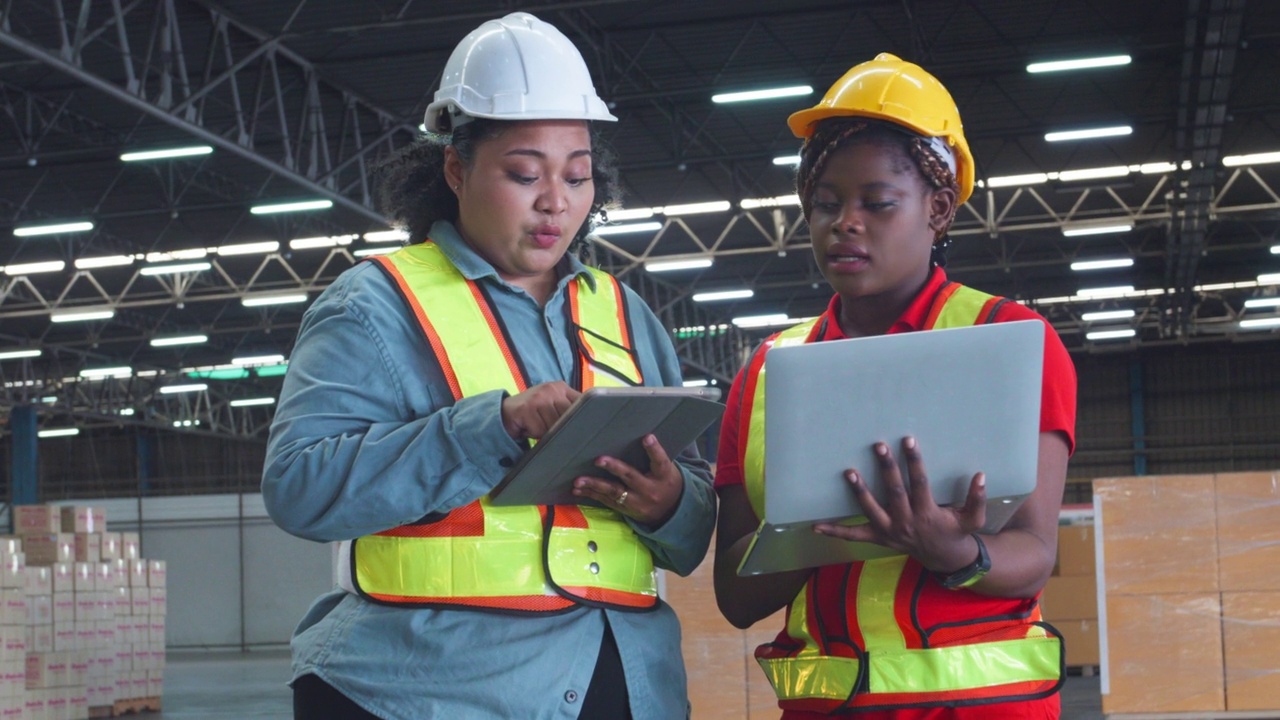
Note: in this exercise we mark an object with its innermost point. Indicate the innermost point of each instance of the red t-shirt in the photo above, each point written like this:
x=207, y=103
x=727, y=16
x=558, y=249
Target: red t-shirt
x=1057, y=414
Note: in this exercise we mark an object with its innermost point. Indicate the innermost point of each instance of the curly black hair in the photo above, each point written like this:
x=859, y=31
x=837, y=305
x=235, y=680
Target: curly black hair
x=413, y=193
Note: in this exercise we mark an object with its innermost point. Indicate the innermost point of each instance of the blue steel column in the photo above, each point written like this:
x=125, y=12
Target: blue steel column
x=25, y=457
x=146, y=447
x=1138, y=422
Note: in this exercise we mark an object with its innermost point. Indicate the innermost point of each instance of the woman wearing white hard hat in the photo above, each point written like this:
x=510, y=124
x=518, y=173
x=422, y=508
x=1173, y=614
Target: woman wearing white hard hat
x=418, y=379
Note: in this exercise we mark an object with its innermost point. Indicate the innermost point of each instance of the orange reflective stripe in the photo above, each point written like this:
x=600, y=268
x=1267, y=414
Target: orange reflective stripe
x=940, y=302
x=437, y=346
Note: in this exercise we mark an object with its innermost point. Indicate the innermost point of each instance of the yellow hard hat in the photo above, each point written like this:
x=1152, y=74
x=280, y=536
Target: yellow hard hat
x=889, y=88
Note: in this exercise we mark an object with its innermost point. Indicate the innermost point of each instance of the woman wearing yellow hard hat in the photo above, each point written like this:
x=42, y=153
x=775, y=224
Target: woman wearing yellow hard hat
x=949, y=628
x=418, y=379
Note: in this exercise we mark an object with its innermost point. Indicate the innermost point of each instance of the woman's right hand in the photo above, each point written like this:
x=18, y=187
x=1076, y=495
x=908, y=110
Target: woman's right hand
x=531, y=413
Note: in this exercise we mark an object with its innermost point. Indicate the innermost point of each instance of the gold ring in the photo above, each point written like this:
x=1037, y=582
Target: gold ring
x=622, y=499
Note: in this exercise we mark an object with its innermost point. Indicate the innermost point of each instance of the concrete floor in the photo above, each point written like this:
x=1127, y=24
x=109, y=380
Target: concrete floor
x=205, y=686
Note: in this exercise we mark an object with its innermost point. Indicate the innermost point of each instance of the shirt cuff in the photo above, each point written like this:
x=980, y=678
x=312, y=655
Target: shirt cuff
x=682, y=524
x=477, y=425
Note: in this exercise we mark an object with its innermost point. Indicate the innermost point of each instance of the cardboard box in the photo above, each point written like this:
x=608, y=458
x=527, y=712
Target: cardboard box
x=88, y=547
x=83, y=519
x=130, y=546
x=110, y=546
x=49, y=548
x=37, y=519
x=1076, y=554
x=1081, y=638
x=84, y=577
x=15, y=642
x=78, y=668
x=37, y=580
x=155, y=681
x=124, y=602
x=159, y=601
x=39, y=610
x=1159, y=534
x=39, y=638
x=156, y=572
x=64, y=636
x=141, y=599
x=13, y=572
x=155, y=634
x=1164, y=653
x=135, y=573
x=64, y=608
x=86, y=635
x=46, y=670
x=1248, y=533
x=1251, y=649
x=1070, y=597
x=63, y=577
x=13, y=609
x=86, y=606
x=10, y=545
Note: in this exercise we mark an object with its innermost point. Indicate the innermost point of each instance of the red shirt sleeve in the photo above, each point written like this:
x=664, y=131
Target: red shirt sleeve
x=728, y=454
x=1058, y=388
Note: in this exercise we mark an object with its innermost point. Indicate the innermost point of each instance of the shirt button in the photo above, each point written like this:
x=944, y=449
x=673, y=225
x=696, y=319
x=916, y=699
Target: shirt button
x=506, y=462
x=594, y=568
x=571, y=696
x=591, y=546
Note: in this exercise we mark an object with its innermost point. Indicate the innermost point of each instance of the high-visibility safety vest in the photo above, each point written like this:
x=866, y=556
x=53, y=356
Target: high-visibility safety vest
x=530, y=559
x=885, y=634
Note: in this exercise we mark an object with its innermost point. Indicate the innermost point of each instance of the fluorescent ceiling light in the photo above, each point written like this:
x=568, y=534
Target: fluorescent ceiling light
x=1157, y=167
x=1269, y=279
x=1262, y=302
x=250, y=402
x=1110, y=334
x=757, y=321
x=106, y=372
x=722, y=295
x=1103, y=292
x=19, y=354
x=766, y=94
x=257, y=360
x=1083, y=230
x=696, y=208
x=175, y=269
x=1093, y=173
x=56, y=229
x=125, y=411
x=673, y=265
x=179, y=340
x=1107, y=315
x=321, y=242
x=1089, y=133
x=253, y=248
x=770, y=202
x=89, y=263
x=1082, y=265
x=379, y=236
x=639, y=227
x=621, y=214
x=35, y=267
x=1260, y=323
x=701, y=382
x=175, y=255
x=58, y=432
x=260, y=300
x=384, y=250
x=81, y=315
x=1275, y=249
x=164, y=154
x=1015, y=180
x=189, y=387
x=1078, y=64
x=291, y=207
x=787, y=160
x=1264, y=158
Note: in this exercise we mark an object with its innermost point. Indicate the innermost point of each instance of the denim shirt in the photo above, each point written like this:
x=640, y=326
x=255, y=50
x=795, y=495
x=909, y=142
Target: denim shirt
x=367, y=436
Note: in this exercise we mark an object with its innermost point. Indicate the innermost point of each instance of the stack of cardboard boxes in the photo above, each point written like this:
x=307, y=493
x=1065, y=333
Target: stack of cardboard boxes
x=88, y=623
x=1070, y=599
x=1192, y=599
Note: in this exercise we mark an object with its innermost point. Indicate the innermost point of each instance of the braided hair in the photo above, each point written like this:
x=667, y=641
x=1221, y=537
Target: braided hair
x=834, y=133
x=413, y=193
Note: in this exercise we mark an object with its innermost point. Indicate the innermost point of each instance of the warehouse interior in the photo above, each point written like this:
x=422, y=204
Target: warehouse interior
x=148, y=306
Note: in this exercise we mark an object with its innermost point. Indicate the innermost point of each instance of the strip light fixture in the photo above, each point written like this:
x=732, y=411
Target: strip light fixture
x=258, y=360
x=770, y=202
x=121, y=371
x=627, y=228
x=57, y=432
x=175, y=269
x=1262, y=158
x=787, y=160
x=655, y=266
x=102, y=261
x=282, y=299
x=179, y=340
x=621, y=214
x=1084, y=230
x=1111, y=334
x=1088, y=133
x=1257, y=323
x=380, y=236
x=55, y=229
x=20, y=354
x=723, y=295
x=265, y=247
x=300, y=206
x=313, y=243
x=696, y=208
x=1078, y=64
x=250, y=402
x=1107, y=315
x=1269, y=279
x=189, y=387
x=1106, y=264
x=81, y=315
x=35, y=268
x=697, y=382
x=383, y=250
x=166, y=154
x=764, y=94
x=1275, y=249
x=1262, y=302
x=1106, y=292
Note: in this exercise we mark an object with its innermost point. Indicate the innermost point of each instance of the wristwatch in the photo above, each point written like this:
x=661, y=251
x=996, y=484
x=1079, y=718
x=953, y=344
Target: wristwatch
x=971, y=573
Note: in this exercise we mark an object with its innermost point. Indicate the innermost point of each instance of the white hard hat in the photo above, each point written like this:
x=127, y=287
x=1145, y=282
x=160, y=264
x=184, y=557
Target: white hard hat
x=515, y=68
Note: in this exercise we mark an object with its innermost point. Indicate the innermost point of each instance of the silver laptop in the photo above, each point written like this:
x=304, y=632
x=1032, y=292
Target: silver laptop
x=970, y=396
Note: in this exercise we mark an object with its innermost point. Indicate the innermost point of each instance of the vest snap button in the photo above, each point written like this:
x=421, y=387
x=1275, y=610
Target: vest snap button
x=594, y=568
x=571, y=696
x=591, y=546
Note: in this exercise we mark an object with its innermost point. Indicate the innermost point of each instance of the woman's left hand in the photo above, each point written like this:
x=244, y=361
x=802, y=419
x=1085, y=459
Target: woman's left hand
x=649, y=498
x=911, y=521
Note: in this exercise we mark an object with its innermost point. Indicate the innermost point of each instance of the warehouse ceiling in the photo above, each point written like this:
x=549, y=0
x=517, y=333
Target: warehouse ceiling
x=299, y=100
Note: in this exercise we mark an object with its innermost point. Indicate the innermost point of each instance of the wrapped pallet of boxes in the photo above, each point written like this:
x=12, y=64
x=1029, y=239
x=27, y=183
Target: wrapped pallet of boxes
x=1070, y=598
